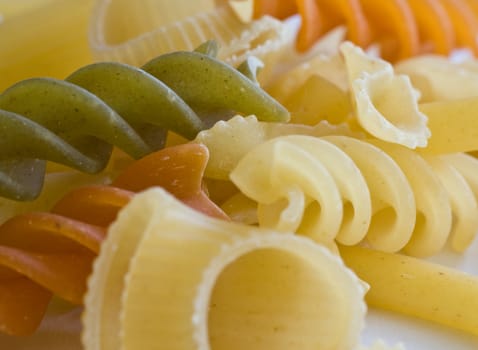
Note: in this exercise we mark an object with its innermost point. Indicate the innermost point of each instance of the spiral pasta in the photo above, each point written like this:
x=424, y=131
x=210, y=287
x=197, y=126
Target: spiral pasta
x=75, y=122
x=345, y=189
x=403, y=28
x=51, y=252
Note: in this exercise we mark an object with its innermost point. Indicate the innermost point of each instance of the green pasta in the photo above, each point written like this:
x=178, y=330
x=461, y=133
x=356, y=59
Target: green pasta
x=213, y=88
x=77, y=121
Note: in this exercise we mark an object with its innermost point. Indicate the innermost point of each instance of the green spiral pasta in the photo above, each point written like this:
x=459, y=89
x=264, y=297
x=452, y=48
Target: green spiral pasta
x=77, y=121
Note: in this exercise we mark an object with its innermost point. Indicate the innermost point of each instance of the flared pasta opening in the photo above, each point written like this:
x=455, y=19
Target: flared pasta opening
x=137, y=18
x=271, y=298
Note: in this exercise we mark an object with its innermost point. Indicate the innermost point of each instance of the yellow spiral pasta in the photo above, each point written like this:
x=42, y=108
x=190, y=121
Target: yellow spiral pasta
x=345, y=189
x=168, y=275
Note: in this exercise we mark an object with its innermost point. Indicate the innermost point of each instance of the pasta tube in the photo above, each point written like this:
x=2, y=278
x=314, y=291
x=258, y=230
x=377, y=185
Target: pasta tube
x=416, y=287
x=169, y=275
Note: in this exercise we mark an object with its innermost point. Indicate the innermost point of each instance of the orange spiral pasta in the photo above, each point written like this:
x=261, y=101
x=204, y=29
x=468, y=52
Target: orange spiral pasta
x=402, y=28
x=51, y=253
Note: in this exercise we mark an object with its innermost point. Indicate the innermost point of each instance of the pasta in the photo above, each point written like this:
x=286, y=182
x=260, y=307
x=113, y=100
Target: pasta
x=408, y=285
x=230, y=140
x=63, y=46
x=51, y=252
x=402, y=28
x=344, y=189
x=211, y=282
x=385, y=104
x=153, y=27
x=438, y=79
x=75, y=122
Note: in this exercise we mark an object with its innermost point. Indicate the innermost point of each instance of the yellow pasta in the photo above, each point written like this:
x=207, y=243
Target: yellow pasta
x=134, y=32
x=327, y=66
x=228, y=141
x=63, y=46
x=301, y=184
x=438, y=79
x=463, y=203
x=397, y=199
x=416, y=287
x=453, y=125
x=169, y=275
x=385, y=103
x=316, y=100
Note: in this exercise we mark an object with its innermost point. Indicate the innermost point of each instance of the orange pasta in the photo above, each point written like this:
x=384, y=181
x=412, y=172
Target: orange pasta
x=393, y=26
x=279, y=9
x=465, y=25
x=434, y=26
x=402, y=28
x=45, y=254
x=320, y=17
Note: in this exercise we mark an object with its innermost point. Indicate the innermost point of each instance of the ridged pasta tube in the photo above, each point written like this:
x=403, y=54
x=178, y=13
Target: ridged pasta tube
x=396, y=199
x=169, y=276
x=78, y=121
x=46, y=253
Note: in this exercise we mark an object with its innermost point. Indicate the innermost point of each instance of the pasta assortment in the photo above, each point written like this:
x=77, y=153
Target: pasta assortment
x=278, y=214
x=76, y=122
x=51, y=253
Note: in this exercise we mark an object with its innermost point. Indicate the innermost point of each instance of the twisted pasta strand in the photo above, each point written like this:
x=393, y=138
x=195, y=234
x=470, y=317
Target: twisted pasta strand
x=76, y=122
x=345, y=189
x=48, y=253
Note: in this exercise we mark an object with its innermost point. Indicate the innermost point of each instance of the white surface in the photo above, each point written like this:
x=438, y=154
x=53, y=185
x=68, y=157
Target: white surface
x=60, y=332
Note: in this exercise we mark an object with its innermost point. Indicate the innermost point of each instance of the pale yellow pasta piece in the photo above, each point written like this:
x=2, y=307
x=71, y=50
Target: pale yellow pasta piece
x=169, y=275
x=416, y=287
x=228, y=141
x=385, y=103
x=34, y=45
x=241, y=208
x=463, y=203
x=467, y=166
x=134, y=32
x=393, y=202
x=437, y=78
x=433, y=208
x=306, y=185
x=316, y=100
x=330, y=67
x=453, y=125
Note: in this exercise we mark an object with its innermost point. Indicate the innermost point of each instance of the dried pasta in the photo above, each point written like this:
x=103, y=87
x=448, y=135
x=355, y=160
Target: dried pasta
x=228, y=141
x=385, y=103
x=402, y=28
x=52, y=48
x=438, y=79
x=408, y=285
x=344, y=189
x=153, y=27
x=75, y=122
x=215, y=284
x=48, y=253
